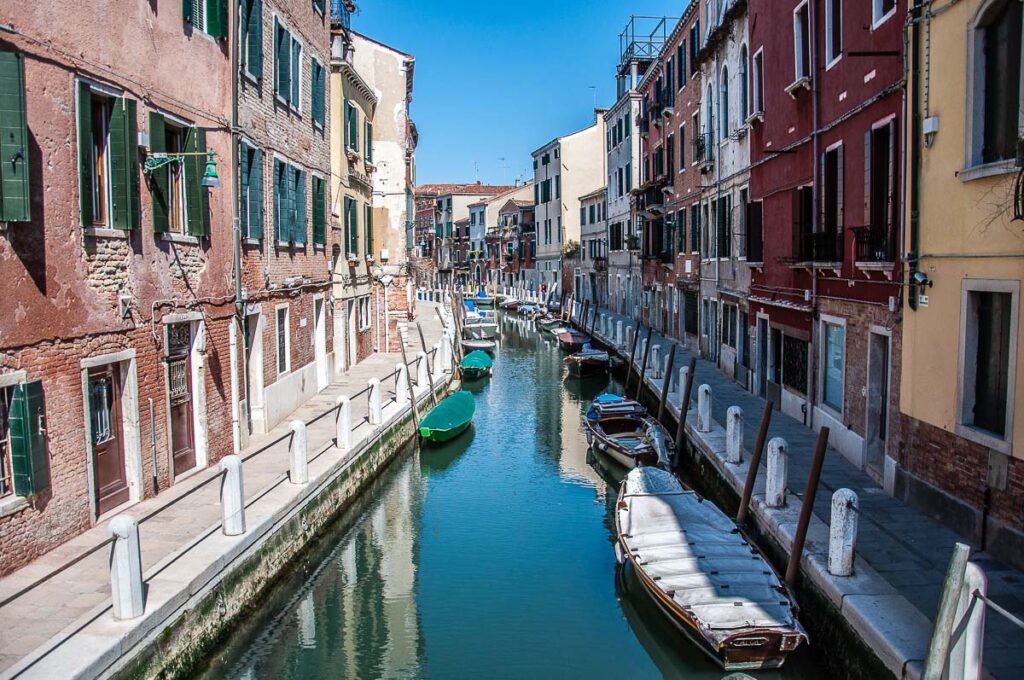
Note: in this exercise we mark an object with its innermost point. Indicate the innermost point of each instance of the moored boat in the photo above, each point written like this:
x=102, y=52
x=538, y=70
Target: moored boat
x=572, y=340
x=480, y=327
x=478, y=344
x=475, y=365
x=587, y=362
x=703, y=573
x=449, y=418
x=622, y=429
x=511, y=304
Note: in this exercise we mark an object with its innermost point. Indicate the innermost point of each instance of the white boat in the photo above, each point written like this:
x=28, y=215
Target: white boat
x=703, y=573
x=480, y=327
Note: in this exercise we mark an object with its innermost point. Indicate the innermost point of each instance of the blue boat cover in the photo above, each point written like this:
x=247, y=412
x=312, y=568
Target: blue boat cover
x=469, y=305
x=608, y=398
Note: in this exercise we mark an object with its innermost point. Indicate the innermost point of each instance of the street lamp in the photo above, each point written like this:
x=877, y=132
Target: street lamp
x=158, y=160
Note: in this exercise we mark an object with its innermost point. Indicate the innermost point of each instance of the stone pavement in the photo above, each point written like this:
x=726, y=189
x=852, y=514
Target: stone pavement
x=907, y=548
x=74, y=595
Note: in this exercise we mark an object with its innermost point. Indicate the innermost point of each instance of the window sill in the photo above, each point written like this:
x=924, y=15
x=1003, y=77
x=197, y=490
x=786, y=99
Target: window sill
x=253, y=80
x=285, y=244
x=804, y=82
x=251, y=242
x=180, y=238
x=987, y=170
x=10, y=506
x=103, y=232
x=756, y=115
x=984, y=438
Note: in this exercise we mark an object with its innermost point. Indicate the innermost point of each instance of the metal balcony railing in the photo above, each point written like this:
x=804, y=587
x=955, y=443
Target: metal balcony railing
x=341, y=13
x=704, y=148
x=874, y=245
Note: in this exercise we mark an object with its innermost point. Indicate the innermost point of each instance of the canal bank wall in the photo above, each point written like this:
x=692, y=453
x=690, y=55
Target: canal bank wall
x=867, y=627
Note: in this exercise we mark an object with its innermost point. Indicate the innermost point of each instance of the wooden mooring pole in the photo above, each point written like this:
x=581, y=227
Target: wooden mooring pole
x=755, y=462
x=643, y=366
x=684, y=404
x=667, y=382
x=807, y=506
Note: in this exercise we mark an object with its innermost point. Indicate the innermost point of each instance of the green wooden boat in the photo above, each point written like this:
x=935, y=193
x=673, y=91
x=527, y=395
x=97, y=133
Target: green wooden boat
x=449, y=418
x=476, y=365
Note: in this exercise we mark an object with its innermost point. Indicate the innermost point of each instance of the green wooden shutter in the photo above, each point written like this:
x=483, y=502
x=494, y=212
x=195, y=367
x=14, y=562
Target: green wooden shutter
x=256, y=195
x=319, y=4
x=369, y=142
x=296, y=76
x=319, y=212
x=158, y=179
x=254, y=42
x=195, y=195
x=85, y=153
x=15, y=192
x=368, y=227
x=288, y=204
x=316, y=72
x=276, y=180
x=124, y=165
x=283, y=51
x=217, y=18
x=301, y=219
x=187, y=10
x=29, y=462
x=244, y=175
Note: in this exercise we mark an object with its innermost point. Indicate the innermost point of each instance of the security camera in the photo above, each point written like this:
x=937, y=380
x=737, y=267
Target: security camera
x=921, y=279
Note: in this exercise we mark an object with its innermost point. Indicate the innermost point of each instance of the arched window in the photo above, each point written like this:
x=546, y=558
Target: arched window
x=744, y=86
x=995, y=112
x=723, y=107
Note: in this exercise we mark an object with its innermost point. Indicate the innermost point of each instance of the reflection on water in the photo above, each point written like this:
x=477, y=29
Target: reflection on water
x=487, y=556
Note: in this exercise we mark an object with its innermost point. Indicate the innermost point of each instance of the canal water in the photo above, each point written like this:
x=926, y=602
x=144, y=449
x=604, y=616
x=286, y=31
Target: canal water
x=488, y=557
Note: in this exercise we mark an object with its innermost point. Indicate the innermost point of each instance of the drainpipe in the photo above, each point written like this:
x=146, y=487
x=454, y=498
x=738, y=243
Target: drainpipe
x=915, y=153
x=812, y=20
x=236, y=237
x=715, y=351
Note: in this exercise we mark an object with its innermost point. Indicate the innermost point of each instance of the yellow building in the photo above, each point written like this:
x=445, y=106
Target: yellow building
x=961, y=429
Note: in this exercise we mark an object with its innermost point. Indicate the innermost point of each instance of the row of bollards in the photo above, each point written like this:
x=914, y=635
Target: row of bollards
x=126, y=582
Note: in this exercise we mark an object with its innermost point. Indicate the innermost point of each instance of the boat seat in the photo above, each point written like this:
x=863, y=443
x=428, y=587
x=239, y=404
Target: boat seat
x=727, y=615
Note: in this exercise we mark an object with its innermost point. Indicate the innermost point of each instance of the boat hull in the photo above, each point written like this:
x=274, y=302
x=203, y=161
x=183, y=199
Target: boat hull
x=473, y=373
x=486, y=331
x=438, y=436
x=581, y=369
x=482, y=345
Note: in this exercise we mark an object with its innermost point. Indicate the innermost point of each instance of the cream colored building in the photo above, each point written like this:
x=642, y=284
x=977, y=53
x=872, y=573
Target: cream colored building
x=962, y=389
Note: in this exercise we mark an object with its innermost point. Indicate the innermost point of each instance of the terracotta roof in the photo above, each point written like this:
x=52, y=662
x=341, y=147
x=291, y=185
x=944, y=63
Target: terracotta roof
x=442, y=189
x=464, y=220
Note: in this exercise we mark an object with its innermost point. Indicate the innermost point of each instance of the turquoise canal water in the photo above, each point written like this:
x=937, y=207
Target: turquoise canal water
x=489, y=557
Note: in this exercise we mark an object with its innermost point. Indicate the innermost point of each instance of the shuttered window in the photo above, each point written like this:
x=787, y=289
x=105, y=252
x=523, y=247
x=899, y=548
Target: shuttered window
x=318, y=87
x=27, y=423
x=296, y=75
x=282, y=61
x=319, y=4
x=368, y=228
x=209, y=16
x=250, y=200
x=369, y=142
x=108, y=160
x=319, y=212
x=300, y=224
x=252, y=37
x=351, y=126
x=351, y=226
x=15, y=192
x=196, y=197
x=278, y=181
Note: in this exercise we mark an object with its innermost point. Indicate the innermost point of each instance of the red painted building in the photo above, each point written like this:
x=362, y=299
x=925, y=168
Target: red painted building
x=825, y=87
x=518, y=251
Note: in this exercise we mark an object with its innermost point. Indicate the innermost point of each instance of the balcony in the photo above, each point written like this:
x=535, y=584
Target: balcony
x=600, y=264
x=704, y=150
x=645, y=126
x=874, y=245
x=652, y=200
x=341, y=13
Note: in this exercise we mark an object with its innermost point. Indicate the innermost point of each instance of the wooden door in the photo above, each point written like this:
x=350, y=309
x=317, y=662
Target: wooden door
x=179, y=384
x=110, y=480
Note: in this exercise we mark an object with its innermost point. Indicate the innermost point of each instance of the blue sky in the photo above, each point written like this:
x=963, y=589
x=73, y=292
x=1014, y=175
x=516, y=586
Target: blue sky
x=485, y=87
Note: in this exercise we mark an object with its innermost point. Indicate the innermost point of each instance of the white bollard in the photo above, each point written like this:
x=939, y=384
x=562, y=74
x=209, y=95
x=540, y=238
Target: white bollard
x=376, y=402
x=681, y=385
x=704, y=408
x=965, y=654
x=734, y=435
x=343, y=424
x=629, y=338
x=655, y=362
x=402, y=384
x=842, y=532
x=422, y=381
x=445, y=354
x=232, y=496
x=298, y=472
x=126, y=591
x=620, y=333
x=778, y=471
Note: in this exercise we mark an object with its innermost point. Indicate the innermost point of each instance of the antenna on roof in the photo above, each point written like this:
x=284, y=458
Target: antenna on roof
x=504, y=170
x=593, y=89
x=476, y=171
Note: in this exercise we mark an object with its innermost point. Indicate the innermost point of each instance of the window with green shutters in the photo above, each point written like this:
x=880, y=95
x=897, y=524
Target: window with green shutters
x=319, y=212
x=278, y=184
x=296, y=75
x=317, y=85
x=209, y=16
x=369, y=142
x=15, y=191
x=250, y=200
x=351, y=126
x=300, y=223
x=319, y=4
x=26, y=422
x=368, y=228
x=351, y=227
x=282, y=61
x=251, y=51
x=108, y=160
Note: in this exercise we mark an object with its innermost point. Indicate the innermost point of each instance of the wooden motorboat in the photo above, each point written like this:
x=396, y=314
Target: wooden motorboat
x=572, y=340
x=483, y=299
x=479, y=328
x=587, y=362
x=484, y=345
x=475, y=365
x=449, y=418
x=548, y=322
x=511, y=304
x=703, y=573
x=622, y=429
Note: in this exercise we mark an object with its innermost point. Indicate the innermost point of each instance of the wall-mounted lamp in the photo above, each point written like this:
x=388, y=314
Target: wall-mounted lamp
x=158, y=160
x=921, y=279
